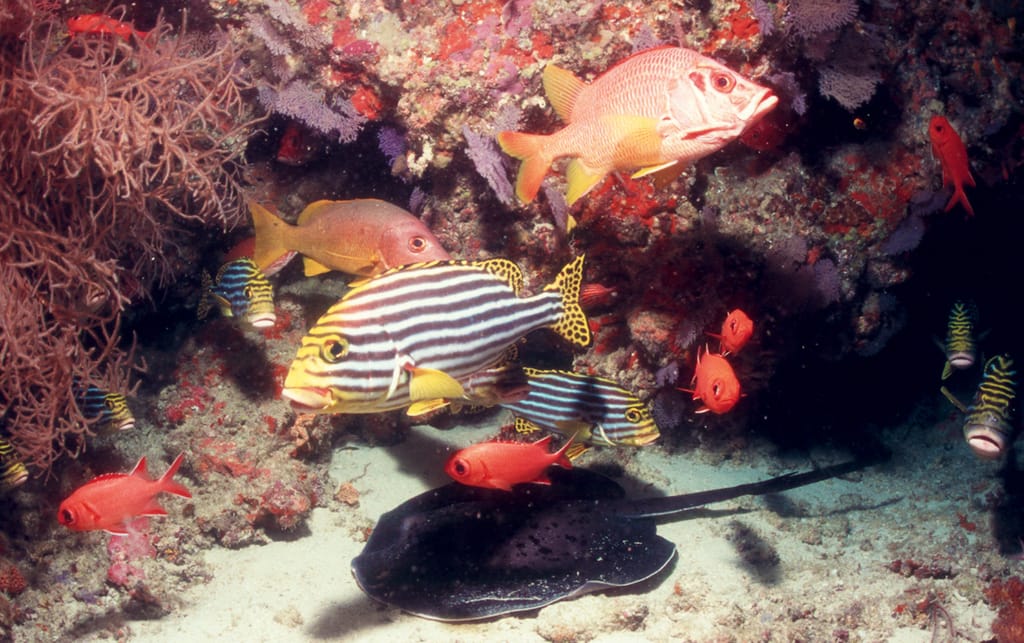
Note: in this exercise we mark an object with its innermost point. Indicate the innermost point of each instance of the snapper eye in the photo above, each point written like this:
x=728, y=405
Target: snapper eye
x=417, y=244
x=723, y=82
x=334, y=350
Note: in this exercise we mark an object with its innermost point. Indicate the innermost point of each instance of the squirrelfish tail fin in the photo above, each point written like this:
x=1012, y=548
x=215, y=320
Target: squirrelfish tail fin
x=168, y=484
x=573, y=324
x=531, y=149
x=271, y=236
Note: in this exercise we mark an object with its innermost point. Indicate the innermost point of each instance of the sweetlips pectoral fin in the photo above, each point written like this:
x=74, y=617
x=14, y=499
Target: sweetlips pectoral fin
x=429, y=384
x=417, y=409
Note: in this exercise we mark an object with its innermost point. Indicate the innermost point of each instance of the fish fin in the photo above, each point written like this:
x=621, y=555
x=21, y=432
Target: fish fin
x=417, y=409
x=702, y=409
x=153, y=508
x=576, y=428
x=959, y=196
x=560, y=457
x=947, y=371
x=429, y=384
x=271, y=232
x=580, y=180
x=953, y=399
x=664, y=177
x=312, y=209
x=654, y=169
x=562, y=88
x=312, y=267
x=204, y=299
x=572, y=325
x=524, y=426
x=575, y=451
x=117, y=530
x=502, y=484
x=168, y=484
x=139, y=470
x=506, y=270
x=530, y=149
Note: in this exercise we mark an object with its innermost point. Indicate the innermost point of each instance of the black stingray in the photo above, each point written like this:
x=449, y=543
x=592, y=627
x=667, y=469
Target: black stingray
x=461, y=553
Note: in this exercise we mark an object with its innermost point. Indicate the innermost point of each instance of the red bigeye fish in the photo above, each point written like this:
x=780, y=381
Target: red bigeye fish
x=714, y=384
x=112, y=500
x=101, y=23
x=949, y=148
x=655, y=112
x=736, y=331
x=499, y=465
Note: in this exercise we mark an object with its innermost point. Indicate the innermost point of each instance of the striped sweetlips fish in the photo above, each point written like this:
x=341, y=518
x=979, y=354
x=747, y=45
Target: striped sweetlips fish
x=960, y=348
x=596, y=410
x=988, y=428
x=239, y=290
x=108, y=411
x=413, y=333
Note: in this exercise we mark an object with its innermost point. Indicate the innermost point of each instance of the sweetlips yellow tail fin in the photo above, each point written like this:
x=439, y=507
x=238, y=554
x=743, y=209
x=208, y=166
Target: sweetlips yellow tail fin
x=573, y=324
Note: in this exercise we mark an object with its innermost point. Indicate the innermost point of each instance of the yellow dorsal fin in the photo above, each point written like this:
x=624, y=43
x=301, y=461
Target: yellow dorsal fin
x=573, y=324
x=562, y=89
x=506, y=270
x=313, y=209
x=430, y=384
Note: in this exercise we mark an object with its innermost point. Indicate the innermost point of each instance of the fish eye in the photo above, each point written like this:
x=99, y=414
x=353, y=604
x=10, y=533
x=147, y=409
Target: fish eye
x=109, y=403
x=716, y=389
x=723, y=82
x=67, y=517
x=334, y=350
x=417, y=244
x=634, y=416
x=247, y=292
x=460, y=467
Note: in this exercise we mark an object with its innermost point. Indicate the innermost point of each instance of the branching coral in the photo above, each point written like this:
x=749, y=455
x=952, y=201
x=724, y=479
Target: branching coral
x=111, y=150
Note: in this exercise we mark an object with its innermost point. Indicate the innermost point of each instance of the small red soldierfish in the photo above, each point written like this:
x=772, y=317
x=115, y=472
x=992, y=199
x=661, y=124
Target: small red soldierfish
x=736, y=331
x=112, y=500
x=715, y=384
x=949, y=148
x=655, y=112
x=499, y=465
x=101, y=23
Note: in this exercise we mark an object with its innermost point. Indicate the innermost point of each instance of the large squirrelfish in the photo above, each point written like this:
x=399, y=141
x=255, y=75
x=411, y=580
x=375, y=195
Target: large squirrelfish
x=499, y=465
x=413, y=333
x=658, y=110
x=359, y=237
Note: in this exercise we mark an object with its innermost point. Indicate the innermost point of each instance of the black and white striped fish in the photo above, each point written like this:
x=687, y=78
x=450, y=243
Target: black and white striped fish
x=239, y=290
x=594, y=409
x=988, y=428
x=413, y=333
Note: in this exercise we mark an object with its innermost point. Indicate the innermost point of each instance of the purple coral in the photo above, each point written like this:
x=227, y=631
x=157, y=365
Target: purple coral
x=810, y=17
x=489, y=163
x=303, y=103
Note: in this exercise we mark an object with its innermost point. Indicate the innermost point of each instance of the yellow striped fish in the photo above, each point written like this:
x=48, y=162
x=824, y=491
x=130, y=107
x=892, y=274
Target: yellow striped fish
x=239, y=290
x=109, y=410
x=596, y=410
x=987, y=427
x=960, y=347
x=12, y=470
x=411, y=334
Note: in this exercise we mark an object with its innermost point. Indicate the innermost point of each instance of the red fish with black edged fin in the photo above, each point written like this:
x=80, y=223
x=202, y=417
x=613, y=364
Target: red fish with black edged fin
x=949, y=148
x=714, y=384
x=93, y=23
x=737, y=329
x=499, y=465
x=112, y=500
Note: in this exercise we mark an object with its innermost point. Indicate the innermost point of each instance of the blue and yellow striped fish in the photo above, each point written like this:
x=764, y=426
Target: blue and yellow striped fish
x=239, y=290
x=12, y=470
x=108, y=411
x=960, y=347
x=987, y=427
x=596, y=410
x=413, y=333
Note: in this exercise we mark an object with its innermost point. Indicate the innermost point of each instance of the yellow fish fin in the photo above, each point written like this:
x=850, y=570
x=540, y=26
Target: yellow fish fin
x=429, y=384
x=575, y=450
x=562, y=89
x=573, y=324
x=525, y=427
x=644, y=171
x=506, y=270
x=532, y=150
x=417, y=409
x=272, y=236
x=313, y=267
x=313, y=209
x=665, y=176
x=578, y=429
x=636, y=139
x=580, y=181
x=947, y=371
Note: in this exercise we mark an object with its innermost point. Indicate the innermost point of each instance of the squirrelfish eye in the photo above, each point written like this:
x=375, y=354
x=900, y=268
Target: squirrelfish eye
x=334, y=350
x=460, y=467
x=417, y=244
x=67, y=517
x=716, y=389
x=723, y=82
